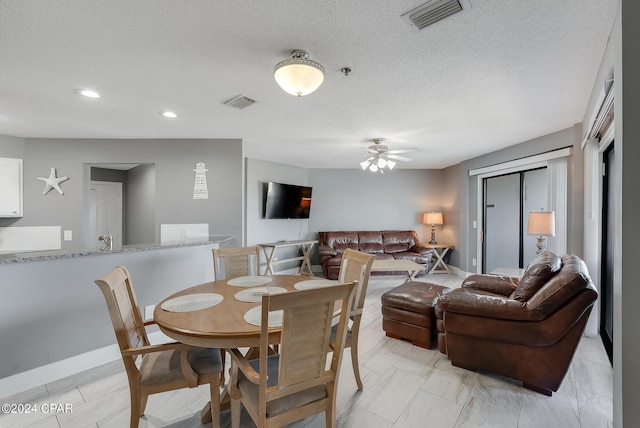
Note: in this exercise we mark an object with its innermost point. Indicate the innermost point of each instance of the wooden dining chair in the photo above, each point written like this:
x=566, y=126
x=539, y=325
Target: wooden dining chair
x=355, y=266
x=236, y=262
x=278, y=389
x=163, y=367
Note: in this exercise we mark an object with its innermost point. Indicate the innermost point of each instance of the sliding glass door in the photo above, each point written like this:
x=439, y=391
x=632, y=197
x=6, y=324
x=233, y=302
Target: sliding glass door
x=507, y=201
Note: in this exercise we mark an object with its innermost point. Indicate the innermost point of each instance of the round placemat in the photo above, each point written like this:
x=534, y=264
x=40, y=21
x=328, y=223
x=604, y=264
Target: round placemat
x=254, y=316
x=249, y=281
x=191, y=302
x=314, y=283
x=255, y=294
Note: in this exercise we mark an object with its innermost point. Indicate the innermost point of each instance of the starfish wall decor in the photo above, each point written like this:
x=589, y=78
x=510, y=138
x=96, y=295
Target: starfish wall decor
x=53, y=182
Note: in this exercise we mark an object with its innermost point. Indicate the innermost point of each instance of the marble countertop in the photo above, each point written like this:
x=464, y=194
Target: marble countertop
x=31, y=256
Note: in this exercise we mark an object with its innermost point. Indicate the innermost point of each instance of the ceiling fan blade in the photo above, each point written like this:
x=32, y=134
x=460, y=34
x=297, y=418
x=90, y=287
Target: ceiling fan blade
x=402, y=151
x=400, y=158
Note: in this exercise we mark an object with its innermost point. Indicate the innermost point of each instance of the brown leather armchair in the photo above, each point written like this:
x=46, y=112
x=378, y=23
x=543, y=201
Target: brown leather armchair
x=525, y=329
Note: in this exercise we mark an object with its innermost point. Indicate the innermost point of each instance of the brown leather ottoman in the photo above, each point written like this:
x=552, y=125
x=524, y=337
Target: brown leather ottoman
x=407, y=312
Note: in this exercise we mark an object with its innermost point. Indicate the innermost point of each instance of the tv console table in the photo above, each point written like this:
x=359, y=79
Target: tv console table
x=271, y=248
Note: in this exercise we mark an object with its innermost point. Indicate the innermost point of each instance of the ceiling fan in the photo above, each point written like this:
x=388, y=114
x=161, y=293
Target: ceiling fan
x=381, y=157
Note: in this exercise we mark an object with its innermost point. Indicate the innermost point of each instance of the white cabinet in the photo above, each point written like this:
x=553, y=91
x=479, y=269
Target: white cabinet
x=10, y=187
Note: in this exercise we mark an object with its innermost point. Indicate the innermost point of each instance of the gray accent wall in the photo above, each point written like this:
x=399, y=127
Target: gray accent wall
x=353, y=199
x=261, y=230
x=451, y=212
x=141, y=205
x=174, y=180
x=54, y=305
x=56, y=310
x=347, y=199
x=12, y=147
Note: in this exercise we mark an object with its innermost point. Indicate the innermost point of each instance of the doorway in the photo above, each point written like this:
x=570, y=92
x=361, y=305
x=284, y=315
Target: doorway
x=606, y=268
x=508, y=199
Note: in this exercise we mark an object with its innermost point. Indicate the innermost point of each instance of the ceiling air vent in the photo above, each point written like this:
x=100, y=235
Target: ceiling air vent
x=239, y=101
x=433, y=11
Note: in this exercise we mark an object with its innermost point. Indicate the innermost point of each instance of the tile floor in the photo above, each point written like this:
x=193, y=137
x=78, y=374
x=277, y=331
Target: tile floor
x=404, y=386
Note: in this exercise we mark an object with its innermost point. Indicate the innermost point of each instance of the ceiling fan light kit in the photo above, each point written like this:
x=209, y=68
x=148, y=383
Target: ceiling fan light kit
x=381, y=157
x=299, y=75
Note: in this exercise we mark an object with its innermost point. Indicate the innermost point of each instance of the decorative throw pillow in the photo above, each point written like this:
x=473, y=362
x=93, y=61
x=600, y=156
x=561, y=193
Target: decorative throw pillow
x=540, y=270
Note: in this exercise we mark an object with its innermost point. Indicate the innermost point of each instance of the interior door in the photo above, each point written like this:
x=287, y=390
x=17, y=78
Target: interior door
x=106, y=211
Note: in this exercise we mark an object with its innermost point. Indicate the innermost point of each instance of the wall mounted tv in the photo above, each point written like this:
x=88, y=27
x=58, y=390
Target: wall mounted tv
x=286, y=201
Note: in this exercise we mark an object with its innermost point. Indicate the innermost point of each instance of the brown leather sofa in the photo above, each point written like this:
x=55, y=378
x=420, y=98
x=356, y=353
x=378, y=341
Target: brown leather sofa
x=525, y=329
x=385, y=244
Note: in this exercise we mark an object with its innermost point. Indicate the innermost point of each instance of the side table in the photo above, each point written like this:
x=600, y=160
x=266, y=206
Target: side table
x=440, y=250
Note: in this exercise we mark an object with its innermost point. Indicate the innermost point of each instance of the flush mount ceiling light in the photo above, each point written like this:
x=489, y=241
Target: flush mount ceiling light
x=168, y=114
x=299, y=75
x=89, y=93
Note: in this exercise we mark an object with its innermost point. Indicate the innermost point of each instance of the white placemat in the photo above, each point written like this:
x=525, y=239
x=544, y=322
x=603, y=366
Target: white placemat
x=254, y=316
x=314, y=283
x=192, y=302
x=255, y=294
x=249, y=281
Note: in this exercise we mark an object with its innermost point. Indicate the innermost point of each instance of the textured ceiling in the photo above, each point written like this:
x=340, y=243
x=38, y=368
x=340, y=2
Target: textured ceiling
x=495, y=75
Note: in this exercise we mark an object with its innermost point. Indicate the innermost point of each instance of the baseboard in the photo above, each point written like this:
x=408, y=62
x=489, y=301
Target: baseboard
x=459, y=272
x=24, y=381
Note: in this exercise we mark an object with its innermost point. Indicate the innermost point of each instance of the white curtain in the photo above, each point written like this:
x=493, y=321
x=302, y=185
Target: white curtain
x=557, y=170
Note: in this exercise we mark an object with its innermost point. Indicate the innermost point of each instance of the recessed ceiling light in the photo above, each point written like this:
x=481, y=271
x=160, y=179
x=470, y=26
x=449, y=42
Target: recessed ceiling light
x=89, y=93
x=169, y=114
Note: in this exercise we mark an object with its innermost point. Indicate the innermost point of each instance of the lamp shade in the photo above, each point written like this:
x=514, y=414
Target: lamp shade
x=299, y=75
x=542, y=223
x=432, y=218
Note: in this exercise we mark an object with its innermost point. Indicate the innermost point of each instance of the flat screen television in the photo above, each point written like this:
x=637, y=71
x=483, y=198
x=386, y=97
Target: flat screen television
x=285, y=201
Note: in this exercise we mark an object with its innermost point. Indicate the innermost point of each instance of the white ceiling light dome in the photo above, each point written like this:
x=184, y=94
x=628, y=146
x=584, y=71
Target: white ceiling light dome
x=299, y=75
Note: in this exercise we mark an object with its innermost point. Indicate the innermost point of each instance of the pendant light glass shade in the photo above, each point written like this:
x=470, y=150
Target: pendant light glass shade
x=299, y=75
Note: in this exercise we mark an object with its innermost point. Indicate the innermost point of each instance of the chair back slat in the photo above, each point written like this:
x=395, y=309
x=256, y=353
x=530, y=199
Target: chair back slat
x=236, y=262
x=306, y=334
x=303, y=343
x=356, y=266
x=123, y=309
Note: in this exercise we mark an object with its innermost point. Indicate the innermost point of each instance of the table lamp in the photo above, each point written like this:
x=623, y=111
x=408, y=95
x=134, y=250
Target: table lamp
x=542, y=223
x=432, y=218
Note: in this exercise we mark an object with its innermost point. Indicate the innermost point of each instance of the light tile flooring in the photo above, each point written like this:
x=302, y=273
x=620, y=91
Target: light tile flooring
x=404, y=386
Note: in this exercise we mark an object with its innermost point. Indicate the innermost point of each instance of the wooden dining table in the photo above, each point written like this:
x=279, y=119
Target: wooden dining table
x=223, y=325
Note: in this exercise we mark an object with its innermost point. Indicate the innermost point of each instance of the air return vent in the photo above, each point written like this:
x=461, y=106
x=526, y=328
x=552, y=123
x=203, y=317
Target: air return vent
x=239, y=101
x=433, y=11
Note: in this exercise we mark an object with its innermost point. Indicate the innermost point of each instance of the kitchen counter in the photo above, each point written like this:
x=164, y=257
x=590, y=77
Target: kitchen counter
x=32, y=256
